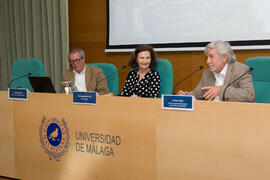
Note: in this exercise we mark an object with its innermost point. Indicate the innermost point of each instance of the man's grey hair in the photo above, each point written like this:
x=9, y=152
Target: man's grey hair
x=222, y=48
x=78, y=50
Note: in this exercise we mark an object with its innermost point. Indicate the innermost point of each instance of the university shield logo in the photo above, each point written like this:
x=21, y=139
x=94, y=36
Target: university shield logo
x=54, y=137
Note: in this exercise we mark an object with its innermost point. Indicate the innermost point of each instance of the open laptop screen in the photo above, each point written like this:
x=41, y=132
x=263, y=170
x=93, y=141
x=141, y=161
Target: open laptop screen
x=42, y=84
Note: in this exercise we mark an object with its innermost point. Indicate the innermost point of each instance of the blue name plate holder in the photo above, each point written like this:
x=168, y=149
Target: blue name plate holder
x=177, y=102
x=85, y=98
x=18, y=94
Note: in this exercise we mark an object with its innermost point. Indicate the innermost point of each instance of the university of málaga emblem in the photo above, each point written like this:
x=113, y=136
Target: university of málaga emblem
x=54, y=137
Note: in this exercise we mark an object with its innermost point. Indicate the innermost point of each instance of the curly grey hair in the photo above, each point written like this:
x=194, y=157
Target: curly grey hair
x=222, y=48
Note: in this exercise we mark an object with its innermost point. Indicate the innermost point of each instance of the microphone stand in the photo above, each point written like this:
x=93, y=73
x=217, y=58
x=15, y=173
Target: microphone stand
x=198, y=69
x=223, y=95
x=20, y=77
x=123, y=67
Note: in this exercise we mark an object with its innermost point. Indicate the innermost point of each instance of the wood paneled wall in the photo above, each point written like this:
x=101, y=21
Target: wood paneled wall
x=87, y=29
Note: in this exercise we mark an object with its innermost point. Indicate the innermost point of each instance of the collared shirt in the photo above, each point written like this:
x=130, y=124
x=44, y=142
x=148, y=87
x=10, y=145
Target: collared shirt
x=220, y=79
x=80, y=80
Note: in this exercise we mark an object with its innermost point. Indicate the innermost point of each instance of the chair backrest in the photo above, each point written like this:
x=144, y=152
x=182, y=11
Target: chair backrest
x=112, y=79
x=165, y=70
x=22, y=67
x=261, y=77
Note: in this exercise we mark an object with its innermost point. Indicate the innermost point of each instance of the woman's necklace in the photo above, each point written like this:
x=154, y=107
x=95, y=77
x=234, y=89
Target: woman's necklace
x=142, y=73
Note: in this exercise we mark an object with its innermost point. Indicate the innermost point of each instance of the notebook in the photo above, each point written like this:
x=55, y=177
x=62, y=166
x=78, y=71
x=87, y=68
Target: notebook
x=42, y=84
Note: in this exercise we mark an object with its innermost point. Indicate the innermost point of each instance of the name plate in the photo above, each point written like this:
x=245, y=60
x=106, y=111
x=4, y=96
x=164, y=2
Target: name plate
x=18, y=94
x=85, y=98
x=177, y=102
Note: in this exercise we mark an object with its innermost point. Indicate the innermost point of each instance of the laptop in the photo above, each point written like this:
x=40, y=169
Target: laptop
x=42, y=84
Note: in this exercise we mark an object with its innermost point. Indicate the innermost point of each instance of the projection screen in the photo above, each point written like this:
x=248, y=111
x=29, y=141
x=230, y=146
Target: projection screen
x=182, y=25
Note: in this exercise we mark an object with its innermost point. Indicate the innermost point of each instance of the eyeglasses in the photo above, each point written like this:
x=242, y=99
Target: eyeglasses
x=73, y=61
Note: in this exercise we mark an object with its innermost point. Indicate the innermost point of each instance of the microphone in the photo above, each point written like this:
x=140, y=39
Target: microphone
x=249, y=70
x=123, y=67
x=198, y=69
x=20, y=77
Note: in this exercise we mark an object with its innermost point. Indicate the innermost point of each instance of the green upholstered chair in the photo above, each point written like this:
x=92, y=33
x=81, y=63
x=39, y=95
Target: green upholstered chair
x=261, y=77
x=165, y=70
x=112, y=79
x=22, y=67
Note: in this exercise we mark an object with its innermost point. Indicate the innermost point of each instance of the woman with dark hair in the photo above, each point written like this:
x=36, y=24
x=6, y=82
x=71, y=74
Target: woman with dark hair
x=143, y=80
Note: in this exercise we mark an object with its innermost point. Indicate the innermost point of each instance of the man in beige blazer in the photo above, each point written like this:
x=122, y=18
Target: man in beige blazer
x=84, y=77
x=223, y=69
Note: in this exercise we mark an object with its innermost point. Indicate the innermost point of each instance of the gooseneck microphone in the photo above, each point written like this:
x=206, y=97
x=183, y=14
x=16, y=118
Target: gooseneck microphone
x=17, y=78
x=223, y=95
x=198, y=69
x=123, y=67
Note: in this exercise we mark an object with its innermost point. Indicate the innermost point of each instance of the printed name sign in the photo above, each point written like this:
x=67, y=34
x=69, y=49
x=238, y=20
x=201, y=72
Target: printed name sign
x=175, y=102
x=85, y=98
x=18, y=94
